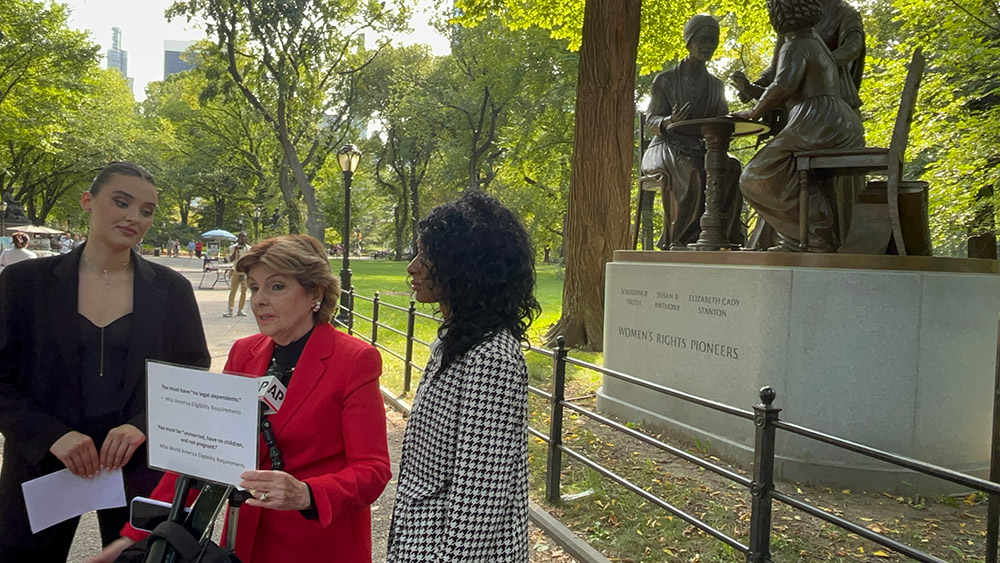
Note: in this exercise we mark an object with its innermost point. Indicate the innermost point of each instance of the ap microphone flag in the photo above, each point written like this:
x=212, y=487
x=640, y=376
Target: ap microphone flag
x=271, y=392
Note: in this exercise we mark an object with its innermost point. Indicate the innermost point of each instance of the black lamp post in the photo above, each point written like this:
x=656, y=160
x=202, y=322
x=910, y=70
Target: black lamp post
x=257, y=211
x=348, y=157
x=3, y=217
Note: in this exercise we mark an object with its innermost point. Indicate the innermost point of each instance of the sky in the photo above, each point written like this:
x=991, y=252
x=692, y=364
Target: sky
x=144, y=29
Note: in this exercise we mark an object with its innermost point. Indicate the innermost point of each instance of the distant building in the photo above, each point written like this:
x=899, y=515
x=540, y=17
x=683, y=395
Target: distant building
x=172, y=56
x=117, y=58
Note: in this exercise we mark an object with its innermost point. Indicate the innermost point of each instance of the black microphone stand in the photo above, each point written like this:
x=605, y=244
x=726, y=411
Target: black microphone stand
x=200, y=521
x=206, y=508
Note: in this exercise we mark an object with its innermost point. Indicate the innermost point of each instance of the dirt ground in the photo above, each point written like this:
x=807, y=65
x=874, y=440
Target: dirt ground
x=952, y=528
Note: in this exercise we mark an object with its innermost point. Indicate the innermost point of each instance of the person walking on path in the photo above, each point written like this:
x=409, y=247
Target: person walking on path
x=462, y=493
x=239, y=281
x=76, y=330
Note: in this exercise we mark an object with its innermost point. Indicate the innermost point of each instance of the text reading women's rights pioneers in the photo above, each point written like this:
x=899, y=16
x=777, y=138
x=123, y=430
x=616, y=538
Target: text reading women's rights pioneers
x=200, y=423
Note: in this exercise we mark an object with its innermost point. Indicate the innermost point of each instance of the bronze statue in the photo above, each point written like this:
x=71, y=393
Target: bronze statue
x=14, y=215
x=806, y=81
x=841, y=28
x=688, y=91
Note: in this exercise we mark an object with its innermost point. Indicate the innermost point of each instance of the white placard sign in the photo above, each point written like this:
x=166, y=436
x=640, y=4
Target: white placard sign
x=201, y=423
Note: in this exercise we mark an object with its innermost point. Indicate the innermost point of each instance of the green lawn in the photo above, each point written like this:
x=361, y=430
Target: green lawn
x=390, y=280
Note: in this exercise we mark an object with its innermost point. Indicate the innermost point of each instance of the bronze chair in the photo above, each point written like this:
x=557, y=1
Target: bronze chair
x=642, y=232
x=649, y=186
x=888, y=162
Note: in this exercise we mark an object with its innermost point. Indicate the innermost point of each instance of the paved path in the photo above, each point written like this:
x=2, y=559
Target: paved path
x=221, y=332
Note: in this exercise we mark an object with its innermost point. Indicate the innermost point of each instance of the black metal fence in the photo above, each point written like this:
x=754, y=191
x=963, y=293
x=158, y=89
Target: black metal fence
x=766, y=422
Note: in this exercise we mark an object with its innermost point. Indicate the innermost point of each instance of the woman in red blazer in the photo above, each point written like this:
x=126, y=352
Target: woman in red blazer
x=330, y=428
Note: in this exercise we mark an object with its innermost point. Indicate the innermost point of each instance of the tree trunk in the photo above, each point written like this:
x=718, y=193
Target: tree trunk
x=598, y=220
x=983, y=241
x=397, y=226
x=291, y=206
x=315, y=224
x=220, y=212
x=414, y=213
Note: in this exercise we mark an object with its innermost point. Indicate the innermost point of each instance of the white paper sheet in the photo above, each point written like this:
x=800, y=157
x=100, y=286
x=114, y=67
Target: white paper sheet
x=61, y=495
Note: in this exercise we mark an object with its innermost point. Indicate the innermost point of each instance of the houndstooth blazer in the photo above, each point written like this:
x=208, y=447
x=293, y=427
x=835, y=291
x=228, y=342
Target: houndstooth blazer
x=463, y=477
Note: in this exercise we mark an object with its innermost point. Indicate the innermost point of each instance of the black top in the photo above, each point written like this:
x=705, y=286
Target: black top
x=282, y=366
x=285, y=357
x=97, y=388
x=42, y=382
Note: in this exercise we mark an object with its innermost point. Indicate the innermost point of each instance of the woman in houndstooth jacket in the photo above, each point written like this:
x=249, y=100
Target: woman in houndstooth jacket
x=463, y=478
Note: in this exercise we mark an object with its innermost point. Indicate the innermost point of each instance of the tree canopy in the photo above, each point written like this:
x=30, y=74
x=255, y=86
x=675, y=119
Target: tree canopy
x=244, y=138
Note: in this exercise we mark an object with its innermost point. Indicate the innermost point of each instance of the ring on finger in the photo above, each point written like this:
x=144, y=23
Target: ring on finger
x=263, y=497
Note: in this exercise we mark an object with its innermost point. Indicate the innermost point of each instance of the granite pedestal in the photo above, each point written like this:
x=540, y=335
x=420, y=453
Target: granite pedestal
x=898, y=353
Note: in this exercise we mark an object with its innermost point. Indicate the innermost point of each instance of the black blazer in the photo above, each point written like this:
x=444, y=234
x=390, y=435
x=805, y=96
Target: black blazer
x=40, y=387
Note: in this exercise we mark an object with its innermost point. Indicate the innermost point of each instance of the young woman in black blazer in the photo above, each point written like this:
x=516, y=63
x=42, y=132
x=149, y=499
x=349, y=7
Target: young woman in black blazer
x=75, y=333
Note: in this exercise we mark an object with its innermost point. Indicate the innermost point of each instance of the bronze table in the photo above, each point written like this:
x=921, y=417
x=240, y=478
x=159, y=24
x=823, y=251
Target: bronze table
x=717, y=132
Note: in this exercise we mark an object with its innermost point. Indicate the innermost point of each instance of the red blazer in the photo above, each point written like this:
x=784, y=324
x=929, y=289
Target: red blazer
x=331, y=432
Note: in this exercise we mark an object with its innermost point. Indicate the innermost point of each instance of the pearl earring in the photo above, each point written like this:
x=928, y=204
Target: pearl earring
x=317, y=306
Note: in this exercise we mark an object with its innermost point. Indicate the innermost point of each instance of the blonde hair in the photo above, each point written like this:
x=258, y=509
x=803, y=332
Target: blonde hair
x=302, y=257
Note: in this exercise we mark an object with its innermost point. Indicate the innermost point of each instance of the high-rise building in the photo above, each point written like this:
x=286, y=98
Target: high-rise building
x=117, y=58
x=173, y=62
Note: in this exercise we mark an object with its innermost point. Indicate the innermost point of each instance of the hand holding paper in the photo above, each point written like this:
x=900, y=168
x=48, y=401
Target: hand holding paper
x=77, y=452
x=119, y=446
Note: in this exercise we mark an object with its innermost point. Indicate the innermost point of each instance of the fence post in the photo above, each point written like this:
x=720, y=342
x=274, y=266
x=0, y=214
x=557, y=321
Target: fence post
x=411, y=317
x=554, y=465
x=764, y=417
x=350, y=312
x=993, y=506
x=375, y=319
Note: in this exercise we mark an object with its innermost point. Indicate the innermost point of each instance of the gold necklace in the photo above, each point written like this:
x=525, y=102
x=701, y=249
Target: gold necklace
x=104, y=299
x=104, y=273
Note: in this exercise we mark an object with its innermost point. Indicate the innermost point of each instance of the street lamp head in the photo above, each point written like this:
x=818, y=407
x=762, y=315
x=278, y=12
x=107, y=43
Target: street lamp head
x=3, y=206
x=348, y=157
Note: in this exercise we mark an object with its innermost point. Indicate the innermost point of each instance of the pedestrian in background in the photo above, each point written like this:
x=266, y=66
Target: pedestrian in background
x=462, y=493
x=17, y=254
x=238, y=283
x=75, y=333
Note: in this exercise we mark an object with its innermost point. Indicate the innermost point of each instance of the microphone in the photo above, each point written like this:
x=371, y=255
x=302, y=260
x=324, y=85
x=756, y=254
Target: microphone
x=271, y=392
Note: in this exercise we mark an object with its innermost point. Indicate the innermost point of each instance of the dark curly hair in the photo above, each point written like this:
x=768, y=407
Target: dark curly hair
x=479, y=255
x=793, y=15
